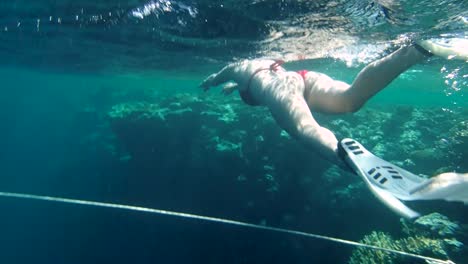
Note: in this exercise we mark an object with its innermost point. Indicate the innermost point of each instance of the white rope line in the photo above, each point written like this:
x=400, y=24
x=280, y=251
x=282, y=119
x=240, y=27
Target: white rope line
x=217, y=220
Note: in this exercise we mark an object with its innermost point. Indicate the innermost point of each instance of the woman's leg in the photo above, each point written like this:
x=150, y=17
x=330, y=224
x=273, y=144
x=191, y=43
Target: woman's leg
x=327, y=95
x=377, y=75
x=292, y=114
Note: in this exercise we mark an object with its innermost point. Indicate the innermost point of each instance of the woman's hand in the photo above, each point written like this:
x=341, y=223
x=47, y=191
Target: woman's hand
x=228, y=88
x=208, y=82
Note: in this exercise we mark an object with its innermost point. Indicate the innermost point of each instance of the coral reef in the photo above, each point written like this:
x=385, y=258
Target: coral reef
x=410, y=137
x=457, y=141
x=241, y=153
x=379, y=239
x=217, y=135
x=434, y=224
x=213, y=133
x=430, y=235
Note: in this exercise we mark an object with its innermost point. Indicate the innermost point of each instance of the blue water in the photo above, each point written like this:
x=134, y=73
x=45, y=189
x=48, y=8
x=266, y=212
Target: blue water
x=65, y=65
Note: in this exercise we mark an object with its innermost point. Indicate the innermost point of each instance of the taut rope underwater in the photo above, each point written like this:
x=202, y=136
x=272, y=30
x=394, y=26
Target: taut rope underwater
x=216, y=220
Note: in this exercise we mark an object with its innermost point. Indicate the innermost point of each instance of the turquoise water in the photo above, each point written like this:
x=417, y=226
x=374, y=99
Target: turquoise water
x=100, y=101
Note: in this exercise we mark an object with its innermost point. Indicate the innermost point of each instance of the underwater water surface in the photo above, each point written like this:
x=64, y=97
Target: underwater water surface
x=100, y=101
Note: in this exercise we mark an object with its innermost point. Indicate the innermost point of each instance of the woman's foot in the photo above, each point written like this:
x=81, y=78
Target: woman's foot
x=453, y=48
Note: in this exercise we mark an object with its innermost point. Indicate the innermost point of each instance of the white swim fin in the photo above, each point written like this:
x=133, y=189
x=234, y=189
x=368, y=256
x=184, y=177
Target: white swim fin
x=449, y=48
x=391, y=184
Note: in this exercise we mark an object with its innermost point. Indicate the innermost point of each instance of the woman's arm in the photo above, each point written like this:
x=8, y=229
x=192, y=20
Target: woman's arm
x=224, y=75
